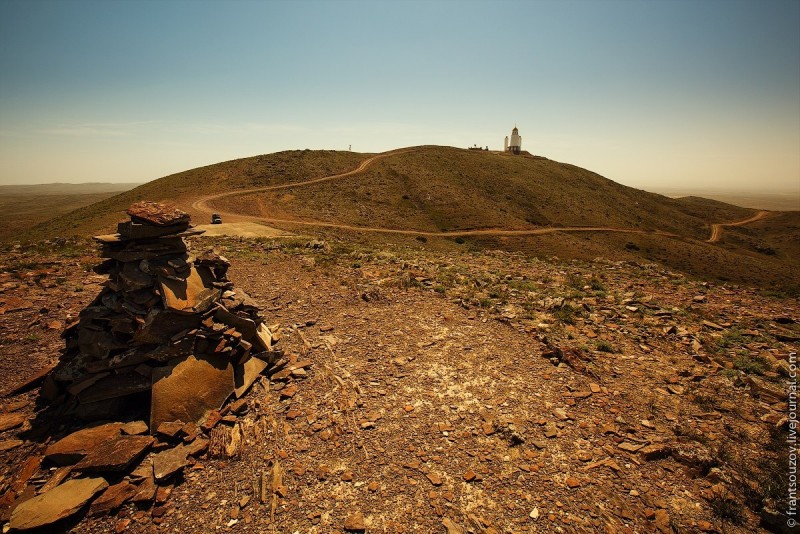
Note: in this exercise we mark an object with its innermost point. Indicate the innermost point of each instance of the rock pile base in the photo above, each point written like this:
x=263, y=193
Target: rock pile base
x=168, y=331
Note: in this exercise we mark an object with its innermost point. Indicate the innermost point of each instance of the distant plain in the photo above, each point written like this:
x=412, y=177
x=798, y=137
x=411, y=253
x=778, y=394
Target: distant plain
x=23, y=206
x=777, y=201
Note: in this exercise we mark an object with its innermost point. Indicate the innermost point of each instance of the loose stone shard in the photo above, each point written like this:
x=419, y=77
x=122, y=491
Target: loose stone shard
x=11, y=420
x=355, y=523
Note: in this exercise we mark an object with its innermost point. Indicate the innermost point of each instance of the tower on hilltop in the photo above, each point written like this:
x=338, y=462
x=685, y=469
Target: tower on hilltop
x=515, y=144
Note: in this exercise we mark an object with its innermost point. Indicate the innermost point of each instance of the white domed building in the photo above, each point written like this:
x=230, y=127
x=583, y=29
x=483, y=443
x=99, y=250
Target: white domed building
x=515, y=144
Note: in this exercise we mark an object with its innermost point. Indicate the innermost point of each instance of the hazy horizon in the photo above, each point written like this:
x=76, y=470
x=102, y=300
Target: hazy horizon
x=649, y=94
x=790, y=189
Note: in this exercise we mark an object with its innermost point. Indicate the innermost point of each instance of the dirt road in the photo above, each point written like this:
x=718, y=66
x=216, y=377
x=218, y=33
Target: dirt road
x=716, y=229
x=242, y=229
x=453, y=233
x=202, y=205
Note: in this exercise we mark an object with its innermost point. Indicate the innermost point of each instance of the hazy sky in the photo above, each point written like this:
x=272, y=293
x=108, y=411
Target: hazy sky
x=648, y=93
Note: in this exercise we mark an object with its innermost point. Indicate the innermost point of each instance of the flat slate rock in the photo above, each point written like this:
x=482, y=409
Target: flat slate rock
x=134, y=428
x=167, y=463
x=189, y=388
x=75, y=446
x=170, y=429
x=159, y=327
x=115, y=386
x=242, y=324
x=111, y=239
x=191, y=295
x=114, y=497
x=157, y=214
x=146, y=490
x=8, y=444
x=132, y=230
x=170, y=461
x=56, y=504
x=116, y=454
x=11, y=420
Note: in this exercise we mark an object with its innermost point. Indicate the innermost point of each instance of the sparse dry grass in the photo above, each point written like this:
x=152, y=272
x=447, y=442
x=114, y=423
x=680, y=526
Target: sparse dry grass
x=442, y=188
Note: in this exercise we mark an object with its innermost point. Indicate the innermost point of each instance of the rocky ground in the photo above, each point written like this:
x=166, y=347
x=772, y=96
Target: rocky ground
x=474, y=392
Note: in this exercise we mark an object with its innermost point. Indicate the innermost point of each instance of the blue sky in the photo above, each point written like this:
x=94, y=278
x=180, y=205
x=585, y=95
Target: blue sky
x=647, y=93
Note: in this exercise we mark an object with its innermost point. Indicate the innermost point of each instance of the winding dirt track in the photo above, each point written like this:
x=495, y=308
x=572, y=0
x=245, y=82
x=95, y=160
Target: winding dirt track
x=716, y=229
x=202, y=205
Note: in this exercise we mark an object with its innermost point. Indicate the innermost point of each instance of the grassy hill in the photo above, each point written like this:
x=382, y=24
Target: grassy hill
x=442, y=188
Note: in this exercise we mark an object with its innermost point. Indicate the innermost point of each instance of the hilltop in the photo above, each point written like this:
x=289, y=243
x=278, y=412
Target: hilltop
x=443, y=188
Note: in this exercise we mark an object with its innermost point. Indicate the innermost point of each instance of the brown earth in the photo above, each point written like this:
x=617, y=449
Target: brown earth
x=483, y=390
x=241, y=229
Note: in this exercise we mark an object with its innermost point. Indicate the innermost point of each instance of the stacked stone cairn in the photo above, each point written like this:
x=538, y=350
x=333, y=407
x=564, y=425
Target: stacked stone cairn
x=168, y=331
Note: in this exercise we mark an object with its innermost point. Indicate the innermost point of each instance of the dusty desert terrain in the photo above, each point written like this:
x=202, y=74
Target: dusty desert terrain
x=450, y=374
x=485, y=392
